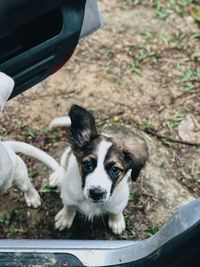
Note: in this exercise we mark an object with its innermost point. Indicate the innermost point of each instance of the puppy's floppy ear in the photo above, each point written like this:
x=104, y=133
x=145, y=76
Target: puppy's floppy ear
x=83, y=128
x=135, y=155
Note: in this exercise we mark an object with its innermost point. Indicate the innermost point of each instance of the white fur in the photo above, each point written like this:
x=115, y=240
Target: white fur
x=99, y=177
x=19, y=173
x=12, y=167
x=64, y=121
x=6, y=87
x=75, y=198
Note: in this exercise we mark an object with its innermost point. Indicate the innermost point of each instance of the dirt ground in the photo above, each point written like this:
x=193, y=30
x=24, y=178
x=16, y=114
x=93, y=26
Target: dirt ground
x=139, y=75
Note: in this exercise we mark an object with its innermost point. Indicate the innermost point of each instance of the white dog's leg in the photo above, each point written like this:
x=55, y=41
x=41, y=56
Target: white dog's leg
x=65, y=217
x=21, y=179
x=117, y=223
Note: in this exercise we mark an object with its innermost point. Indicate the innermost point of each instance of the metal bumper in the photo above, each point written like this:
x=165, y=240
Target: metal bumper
x=176, y=244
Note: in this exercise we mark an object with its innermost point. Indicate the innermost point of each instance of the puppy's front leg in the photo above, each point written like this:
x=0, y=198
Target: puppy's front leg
x=117, y=223
x=65, y=217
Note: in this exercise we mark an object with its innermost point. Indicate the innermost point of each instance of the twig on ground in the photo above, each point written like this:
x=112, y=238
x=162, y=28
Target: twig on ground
x=170, y=139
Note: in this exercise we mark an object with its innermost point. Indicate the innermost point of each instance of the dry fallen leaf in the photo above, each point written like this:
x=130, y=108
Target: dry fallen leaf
x=186, y=129
x=195, y=12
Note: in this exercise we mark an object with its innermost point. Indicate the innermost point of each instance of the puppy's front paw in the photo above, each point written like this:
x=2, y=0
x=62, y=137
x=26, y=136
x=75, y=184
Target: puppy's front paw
x=32, y=198
x=117, y=223
x=64, y=218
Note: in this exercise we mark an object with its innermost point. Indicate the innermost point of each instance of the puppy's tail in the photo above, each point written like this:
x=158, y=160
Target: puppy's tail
x=21, y=147
x=64, y=121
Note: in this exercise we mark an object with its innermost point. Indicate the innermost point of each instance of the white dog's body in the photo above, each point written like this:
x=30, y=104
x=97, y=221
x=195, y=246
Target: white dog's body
x=12, y=167
x=19, y=174
x=97, y=169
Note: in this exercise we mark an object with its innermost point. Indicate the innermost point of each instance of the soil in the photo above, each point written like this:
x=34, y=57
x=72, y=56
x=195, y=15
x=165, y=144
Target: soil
x=140, y=72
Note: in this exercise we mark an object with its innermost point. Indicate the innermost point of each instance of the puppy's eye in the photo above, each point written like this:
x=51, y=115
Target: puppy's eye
x=88, y=166
x=115, y=171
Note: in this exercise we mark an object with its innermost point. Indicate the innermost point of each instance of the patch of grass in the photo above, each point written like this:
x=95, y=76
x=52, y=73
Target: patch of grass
x=32, y=133
x=181, y=40
x=134, y=197
x=164, y=39
x=195, y=36
x=56, y=137
x=108, y=52
x=179, y=5
x=100, y=122
x=134, y=67
x=148, y=36
x=128, y=235
x=153, y=229
x=12, y=231
x=170, y=124
x=150, y=124
x=173, y=122
x=7, y=218
x=195, y=172
x=176, y=40
x=152, y=55
x=22, y=125
x=189, y=78
x=145, y=54
x=47, y=189
x=160, y=10
x=3, y=130
x=162, y=7
x=107, y=67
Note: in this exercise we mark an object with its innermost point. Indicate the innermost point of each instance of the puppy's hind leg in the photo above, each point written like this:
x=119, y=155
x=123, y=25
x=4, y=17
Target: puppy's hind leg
x=22, y=180
x=65, y=217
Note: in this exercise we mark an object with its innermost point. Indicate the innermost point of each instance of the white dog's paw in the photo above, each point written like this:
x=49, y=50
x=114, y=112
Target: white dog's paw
x=32, y=198
x=117, y=223
x=54, y=179
x=64, y=218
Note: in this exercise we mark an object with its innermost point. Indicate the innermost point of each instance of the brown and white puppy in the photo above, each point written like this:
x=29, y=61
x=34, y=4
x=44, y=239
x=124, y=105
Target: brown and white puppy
x=97, y=167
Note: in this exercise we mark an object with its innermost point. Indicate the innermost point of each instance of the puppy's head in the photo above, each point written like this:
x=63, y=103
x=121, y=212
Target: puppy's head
x=104, y=161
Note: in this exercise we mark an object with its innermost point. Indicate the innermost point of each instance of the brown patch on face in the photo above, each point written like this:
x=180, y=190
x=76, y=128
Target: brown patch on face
x=87, y=155
x=87, y=149
x=115, y=164
x=125, y=155
x=135, y=154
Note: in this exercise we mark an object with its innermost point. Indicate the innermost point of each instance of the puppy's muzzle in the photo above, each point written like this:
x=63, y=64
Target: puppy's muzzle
x=97, y=194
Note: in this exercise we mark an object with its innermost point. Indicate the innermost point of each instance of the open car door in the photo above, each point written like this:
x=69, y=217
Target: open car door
x=38, y=37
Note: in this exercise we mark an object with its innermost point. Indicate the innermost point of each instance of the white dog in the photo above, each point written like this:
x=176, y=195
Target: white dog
x=19, y=174
x=12, y=167
x=97, y=167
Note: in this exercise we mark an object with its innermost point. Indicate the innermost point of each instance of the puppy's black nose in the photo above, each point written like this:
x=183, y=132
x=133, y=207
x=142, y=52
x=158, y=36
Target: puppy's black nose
x=97, y=193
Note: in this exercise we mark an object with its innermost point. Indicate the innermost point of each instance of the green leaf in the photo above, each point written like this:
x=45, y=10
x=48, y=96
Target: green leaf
x=196, y=36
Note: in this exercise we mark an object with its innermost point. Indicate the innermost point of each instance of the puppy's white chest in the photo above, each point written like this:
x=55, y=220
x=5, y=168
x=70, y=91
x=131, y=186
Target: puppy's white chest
x=90, y=209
